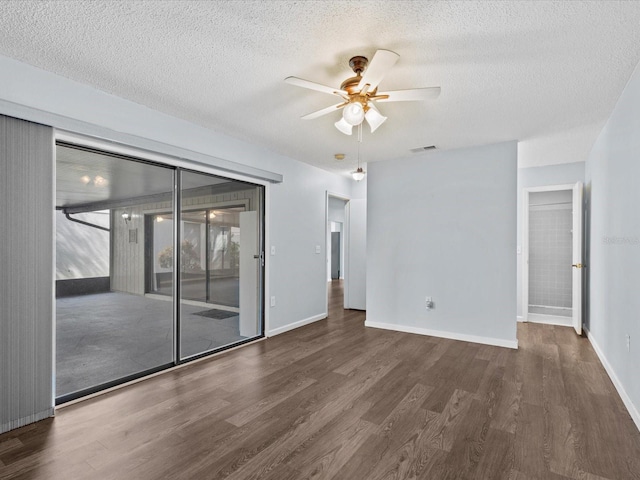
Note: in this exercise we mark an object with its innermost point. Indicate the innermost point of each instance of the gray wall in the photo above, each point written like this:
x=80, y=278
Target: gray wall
x=26, y=272
x=565, y=174
x=613, y=264
x=443, y=224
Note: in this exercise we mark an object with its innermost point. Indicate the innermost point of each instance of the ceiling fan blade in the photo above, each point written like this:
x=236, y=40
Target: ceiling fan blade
x=382, y=61
x=299, y=82
x=413, y=94
x=324, y=111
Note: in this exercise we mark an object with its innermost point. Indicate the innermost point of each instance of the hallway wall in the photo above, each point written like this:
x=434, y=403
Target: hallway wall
x=613, y=262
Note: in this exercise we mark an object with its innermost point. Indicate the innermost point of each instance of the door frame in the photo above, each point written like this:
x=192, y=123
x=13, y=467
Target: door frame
x=179, y=164
x=327, y=245
x=525, y=238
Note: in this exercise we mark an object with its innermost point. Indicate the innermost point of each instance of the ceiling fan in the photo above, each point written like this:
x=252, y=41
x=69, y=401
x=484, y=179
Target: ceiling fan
x=360, y=93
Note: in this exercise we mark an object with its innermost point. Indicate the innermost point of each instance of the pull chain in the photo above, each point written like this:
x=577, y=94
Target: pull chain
x=359, y=142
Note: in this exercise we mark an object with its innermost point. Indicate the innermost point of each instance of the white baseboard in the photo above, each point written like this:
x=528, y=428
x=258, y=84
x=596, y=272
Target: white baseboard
x=497, y=342
x=292, y=326
x=633, y=411
x=520, y=318
x=550, y=319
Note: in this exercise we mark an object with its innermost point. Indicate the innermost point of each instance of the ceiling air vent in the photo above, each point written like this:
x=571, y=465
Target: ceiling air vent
x=422, y=149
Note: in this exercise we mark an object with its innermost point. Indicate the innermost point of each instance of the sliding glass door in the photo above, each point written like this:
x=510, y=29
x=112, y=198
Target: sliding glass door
x=221, y=264
x=126, y=303
x=107, y=329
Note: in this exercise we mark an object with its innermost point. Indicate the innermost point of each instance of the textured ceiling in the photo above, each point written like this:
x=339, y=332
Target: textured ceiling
x=508, y=70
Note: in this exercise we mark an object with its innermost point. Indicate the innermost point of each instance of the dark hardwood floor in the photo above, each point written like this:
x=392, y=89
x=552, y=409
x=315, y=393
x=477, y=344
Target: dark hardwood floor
x=337, y=400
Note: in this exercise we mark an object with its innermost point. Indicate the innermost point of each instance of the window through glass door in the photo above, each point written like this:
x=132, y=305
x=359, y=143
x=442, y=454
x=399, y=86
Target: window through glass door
x=221, y=263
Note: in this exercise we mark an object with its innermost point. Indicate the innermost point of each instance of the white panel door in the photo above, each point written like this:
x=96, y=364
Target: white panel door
x=577, y=266
x=250, y=267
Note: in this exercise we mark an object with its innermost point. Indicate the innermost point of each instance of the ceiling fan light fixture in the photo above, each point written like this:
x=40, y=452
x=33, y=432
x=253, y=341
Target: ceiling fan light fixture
x=374, y=119
x=353, y=113
x=359, y=93
x=343, y=126
x=358, y=174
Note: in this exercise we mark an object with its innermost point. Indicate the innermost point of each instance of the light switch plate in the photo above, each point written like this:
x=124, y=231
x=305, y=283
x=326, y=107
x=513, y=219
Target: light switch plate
x=318, y=249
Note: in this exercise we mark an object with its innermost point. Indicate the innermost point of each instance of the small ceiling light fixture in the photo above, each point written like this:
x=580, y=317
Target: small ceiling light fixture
x=159, y=218
x=359, y=173
x=212, y=215
x=96, y=181
x=339, y=156
x=126, y=216
x=99, y=181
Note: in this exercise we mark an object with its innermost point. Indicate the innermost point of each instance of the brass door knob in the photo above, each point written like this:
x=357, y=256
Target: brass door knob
x=577, y=265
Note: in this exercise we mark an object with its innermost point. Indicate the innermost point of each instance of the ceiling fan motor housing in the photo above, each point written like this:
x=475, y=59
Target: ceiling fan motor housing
x=350, y=85
x=358, y=64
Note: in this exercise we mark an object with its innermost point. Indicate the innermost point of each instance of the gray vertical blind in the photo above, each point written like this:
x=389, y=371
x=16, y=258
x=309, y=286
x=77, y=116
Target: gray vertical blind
x=26, y=272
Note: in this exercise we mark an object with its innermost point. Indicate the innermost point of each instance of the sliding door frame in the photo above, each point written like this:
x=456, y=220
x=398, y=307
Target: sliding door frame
x=178, y=165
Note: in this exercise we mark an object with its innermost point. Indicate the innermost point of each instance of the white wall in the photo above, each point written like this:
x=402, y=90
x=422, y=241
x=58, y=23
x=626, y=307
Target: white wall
x=298, y=273
x=336, y=209
x=613, y=264
x=296, y=207
x=565, y=174
x=359, y=189
x=356, y=246
x=564, y=146
x=443, y=224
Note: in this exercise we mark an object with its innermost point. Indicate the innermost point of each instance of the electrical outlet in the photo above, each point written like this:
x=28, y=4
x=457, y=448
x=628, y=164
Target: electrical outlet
x=429, y=303
x=273, y=301
x=628, y=343
x=273, y=249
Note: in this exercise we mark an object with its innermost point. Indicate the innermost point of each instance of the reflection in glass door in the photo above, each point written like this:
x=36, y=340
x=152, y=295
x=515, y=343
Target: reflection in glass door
x=221, y=264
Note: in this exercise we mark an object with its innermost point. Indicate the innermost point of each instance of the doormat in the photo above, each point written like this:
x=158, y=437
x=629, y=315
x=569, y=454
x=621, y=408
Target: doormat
x=217, y=314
